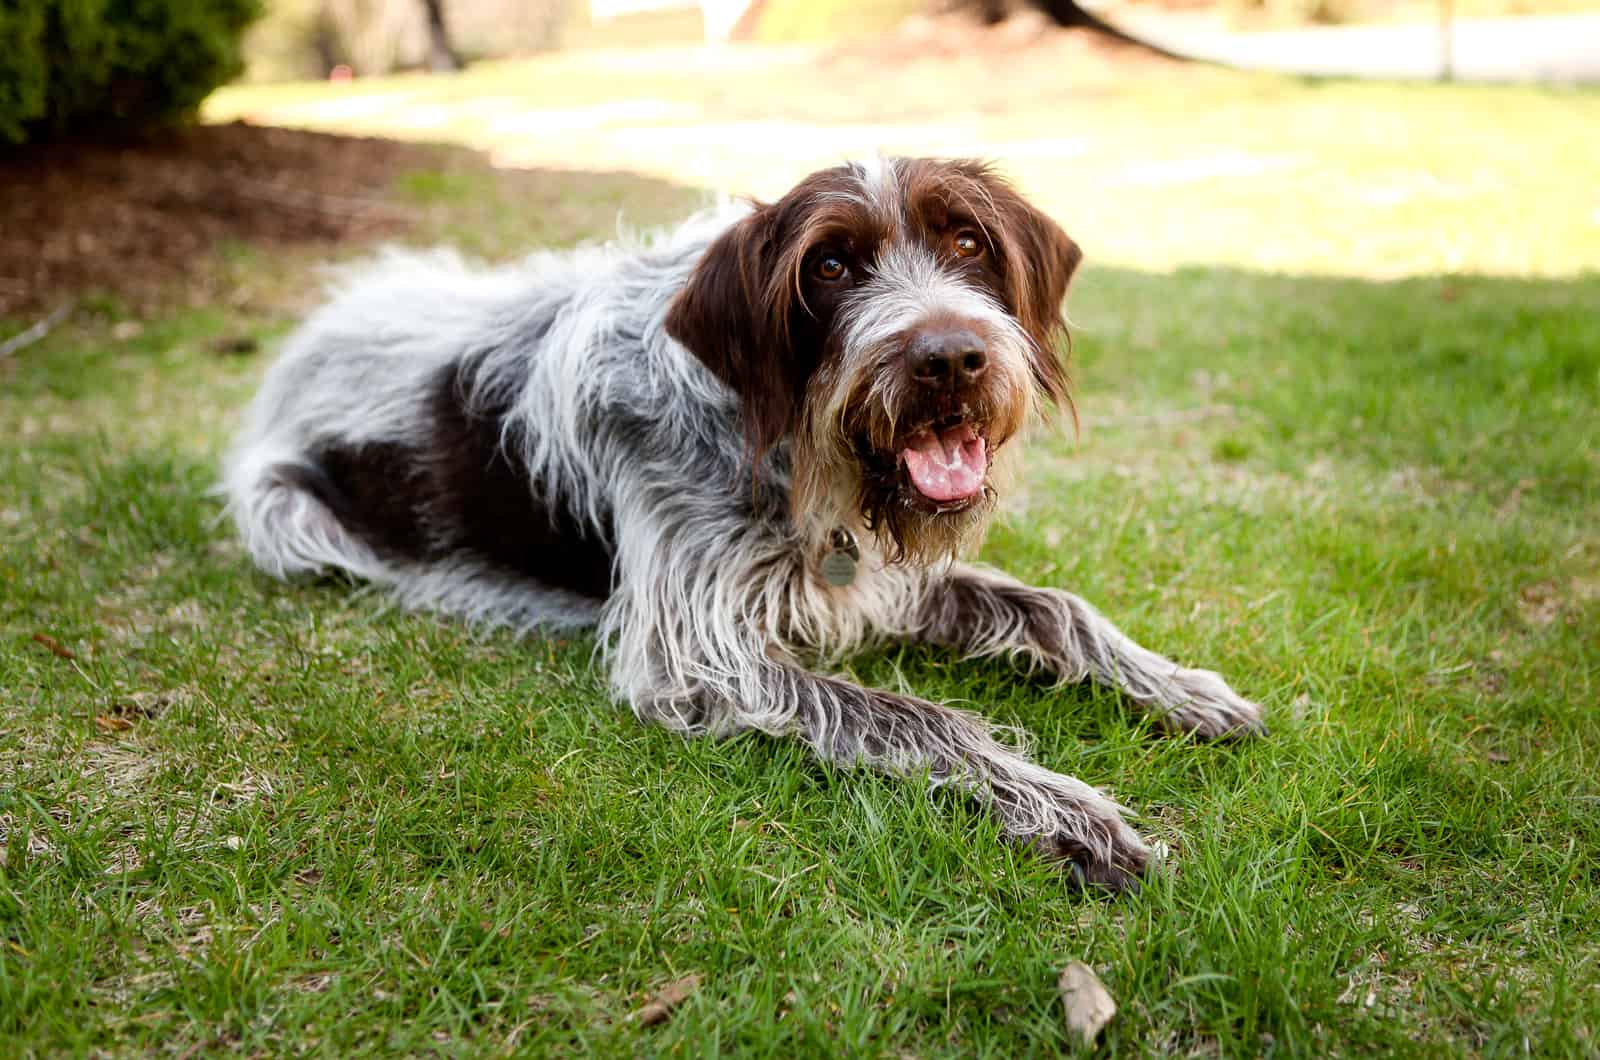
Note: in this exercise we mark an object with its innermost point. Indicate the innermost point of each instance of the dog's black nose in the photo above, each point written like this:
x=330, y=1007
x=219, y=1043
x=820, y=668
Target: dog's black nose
x=947, y=357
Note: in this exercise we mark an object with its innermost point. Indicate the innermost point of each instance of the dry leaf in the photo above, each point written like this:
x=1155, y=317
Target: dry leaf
x=667, y=998
x=111, y=723
x=1088, y=1002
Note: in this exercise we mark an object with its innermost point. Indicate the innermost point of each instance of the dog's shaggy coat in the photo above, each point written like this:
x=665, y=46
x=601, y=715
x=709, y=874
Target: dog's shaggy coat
x=753, y=443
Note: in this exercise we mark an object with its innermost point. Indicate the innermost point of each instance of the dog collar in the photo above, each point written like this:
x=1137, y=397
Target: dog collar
x=839, y=562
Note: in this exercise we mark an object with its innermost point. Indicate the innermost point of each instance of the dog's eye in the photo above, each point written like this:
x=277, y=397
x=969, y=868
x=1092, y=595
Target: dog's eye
x=830, y=267
x=967, y=245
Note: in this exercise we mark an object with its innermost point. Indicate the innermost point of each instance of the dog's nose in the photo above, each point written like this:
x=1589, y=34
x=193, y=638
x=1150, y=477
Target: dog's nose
x=943, y=358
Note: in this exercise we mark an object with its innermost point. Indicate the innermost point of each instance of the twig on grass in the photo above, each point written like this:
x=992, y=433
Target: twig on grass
x=39, y=330
x=55, y=647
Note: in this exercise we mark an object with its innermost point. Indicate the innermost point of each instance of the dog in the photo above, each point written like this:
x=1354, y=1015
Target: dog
x=738, y=449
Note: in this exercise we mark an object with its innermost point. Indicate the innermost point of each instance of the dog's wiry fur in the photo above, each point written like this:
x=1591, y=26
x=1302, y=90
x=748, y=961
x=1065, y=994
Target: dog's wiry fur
x=662, y=440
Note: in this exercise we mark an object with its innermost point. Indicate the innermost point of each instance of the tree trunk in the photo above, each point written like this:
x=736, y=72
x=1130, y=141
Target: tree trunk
x=1071, y=13
x=442, y=58
x=1063, y=12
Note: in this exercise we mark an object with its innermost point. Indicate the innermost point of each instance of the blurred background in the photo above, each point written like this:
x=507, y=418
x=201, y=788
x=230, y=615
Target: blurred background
x=1349, y=164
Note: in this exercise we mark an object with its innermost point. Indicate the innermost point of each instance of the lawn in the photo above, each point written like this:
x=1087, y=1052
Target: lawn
x=1338, y=359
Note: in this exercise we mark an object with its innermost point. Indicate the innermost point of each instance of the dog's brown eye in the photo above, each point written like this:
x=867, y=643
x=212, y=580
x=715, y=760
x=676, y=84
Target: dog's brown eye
x=967, y=245
x=830, y=268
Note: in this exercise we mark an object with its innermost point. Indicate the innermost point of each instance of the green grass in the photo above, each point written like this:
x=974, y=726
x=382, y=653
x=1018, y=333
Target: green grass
x=268, y=818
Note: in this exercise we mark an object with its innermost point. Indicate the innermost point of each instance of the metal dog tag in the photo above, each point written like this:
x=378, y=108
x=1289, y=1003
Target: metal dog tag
x=839, y=565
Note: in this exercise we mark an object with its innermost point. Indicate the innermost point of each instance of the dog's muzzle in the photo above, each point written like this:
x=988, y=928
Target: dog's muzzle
x=947, y=457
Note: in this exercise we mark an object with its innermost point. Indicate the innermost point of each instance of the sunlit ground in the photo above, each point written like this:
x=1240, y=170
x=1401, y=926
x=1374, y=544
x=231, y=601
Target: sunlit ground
x=1148, y=163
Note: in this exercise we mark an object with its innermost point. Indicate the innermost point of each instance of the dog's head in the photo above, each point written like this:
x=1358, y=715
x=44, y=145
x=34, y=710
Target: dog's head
x=899, y=320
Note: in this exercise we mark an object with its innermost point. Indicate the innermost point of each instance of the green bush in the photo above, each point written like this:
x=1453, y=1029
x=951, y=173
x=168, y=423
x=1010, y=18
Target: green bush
x=96, y=66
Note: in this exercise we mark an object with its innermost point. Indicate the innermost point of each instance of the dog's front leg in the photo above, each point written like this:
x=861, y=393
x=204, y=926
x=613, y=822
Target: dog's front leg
x=1059, y=815
x=766, y=691
x=984, y=612
x=698, y=640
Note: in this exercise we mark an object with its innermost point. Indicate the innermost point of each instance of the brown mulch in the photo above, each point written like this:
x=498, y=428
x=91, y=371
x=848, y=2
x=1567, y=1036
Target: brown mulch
x=134, y=219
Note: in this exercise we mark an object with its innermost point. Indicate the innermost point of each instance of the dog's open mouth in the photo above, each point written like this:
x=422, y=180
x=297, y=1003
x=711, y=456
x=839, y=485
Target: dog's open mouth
x=946, y=461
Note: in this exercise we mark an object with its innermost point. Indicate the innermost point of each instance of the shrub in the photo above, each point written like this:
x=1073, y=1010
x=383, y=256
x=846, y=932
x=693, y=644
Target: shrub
x=96, y=66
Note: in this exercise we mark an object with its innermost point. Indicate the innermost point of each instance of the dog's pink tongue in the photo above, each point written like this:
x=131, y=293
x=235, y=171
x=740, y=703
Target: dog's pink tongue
x=948, y=466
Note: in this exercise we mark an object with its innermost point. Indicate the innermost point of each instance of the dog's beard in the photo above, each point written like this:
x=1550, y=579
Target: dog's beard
x=851, y=456
x=908, y=533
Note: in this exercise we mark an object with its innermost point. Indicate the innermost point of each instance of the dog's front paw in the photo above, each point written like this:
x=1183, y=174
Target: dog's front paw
x=1119, y=867
x=1202, y=703
x=1071, y=823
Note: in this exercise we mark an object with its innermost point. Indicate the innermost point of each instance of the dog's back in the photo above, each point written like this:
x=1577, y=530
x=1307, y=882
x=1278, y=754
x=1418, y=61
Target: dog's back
x=385, y=443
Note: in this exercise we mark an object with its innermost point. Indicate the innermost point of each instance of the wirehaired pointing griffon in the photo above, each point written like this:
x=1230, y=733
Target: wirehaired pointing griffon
x=739, y=450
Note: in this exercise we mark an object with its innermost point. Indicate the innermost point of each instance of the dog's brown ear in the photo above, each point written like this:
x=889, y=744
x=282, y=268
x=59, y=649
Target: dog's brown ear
x=1041, y=259
x=731, y=315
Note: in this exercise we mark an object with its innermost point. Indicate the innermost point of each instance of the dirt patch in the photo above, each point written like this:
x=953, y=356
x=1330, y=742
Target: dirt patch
x=1539, y=603
x=133, y=219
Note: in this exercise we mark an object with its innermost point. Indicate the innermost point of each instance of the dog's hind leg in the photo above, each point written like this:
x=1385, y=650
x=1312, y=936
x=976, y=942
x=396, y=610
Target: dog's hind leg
x=283, y=508
x=294, y=520
x=986, y=613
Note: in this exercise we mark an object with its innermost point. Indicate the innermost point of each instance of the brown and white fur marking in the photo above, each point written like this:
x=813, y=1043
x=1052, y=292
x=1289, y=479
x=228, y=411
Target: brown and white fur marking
x=668, y=441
